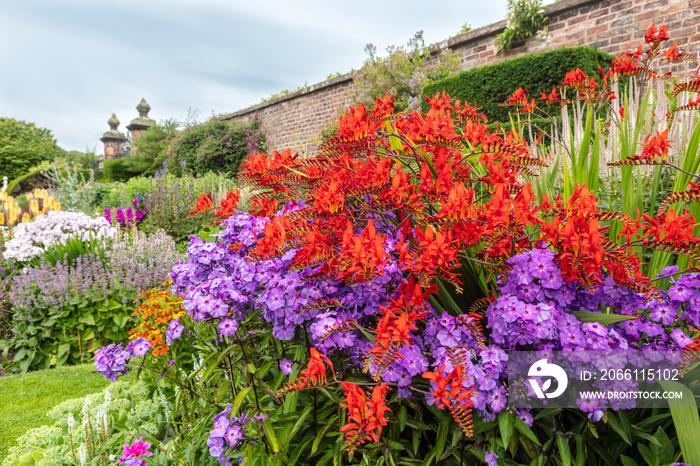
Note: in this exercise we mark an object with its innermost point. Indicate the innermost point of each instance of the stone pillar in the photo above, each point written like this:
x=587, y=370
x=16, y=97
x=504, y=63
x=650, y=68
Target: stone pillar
x=140, y=123
x=113, y=140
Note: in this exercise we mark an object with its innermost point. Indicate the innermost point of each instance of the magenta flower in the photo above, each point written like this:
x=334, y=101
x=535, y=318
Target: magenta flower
x=131, y=454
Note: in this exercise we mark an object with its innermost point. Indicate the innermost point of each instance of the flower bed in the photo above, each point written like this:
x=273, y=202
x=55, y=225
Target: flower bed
x=372, y=305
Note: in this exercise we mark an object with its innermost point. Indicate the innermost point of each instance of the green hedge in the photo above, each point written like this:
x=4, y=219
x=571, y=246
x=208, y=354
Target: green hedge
x=117, y=170
x=492, y=84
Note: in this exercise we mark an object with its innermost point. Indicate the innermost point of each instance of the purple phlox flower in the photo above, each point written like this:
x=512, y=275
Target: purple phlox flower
x=228, y=327
x=111, y=361
x=663, y=313
x=139, y=347
x=216, y=446
x=596, y=328
x=221, y=423
x=233, y=435
x=681, y=338
x=174, y=331
x=287, y=366
x=497, y=399
x=491, y=459
x=668, y=271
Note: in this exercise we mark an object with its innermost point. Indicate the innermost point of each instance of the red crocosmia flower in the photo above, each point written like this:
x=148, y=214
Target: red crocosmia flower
x=275, y=236
x=361, y=257
x=330, y=196
x=518, y=97
x=228, y=205
x=365, y=417
x=264, y=207
x=552, y=97
x=439, y=102
x=654, y=38
x=315, y=374
x=672, y=54
x=204, y=203
x=657, y=146
x=621, y=110
x=671, y=228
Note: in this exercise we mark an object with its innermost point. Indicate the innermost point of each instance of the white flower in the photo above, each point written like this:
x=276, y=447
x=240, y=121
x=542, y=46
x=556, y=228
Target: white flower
x=32, y=238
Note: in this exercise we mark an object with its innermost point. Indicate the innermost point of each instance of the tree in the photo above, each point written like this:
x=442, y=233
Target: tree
x=24, y=145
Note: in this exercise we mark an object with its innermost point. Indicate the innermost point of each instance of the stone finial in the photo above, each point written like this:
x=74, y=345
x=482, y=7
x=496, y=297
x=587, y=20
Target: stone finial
x=113, y=122
x=143, y=108
x=142, y=122
x=113, y=134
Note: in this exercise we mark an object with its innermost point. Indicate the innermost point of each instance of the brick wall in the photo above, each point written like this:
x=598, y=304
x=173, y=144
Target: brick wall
x=296, y=120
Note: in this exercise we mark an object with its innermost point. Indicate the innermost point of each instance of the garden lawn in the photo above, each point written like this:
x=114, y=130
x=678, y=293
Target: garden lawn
x=25, y=399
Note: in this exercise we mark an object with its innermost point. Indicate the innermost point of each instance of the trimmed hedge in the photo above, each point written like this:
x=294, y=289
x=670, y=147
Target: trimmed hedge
x=492, y=84
x=117, y=170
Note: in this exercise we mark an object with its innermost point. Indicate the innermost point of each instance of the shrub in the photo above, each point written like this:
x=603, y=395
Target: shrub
x=403, y=73
x=490, y=85
x=118, y=170
x=151, y=148
x=524, y=20
x=24, y=145
x=74, y=188
x=216, y=146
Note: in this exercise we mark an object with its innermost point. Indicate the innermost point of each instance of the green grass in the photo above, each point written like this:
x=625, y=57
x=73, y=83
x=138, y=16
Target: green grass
x=25, y=399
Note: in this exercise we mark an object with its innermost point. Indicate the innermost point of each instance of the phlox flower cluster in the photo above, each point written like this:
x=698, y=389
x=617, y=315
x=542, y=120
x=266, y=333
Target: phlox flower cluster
x=32, y=238
x=111, y=360
x=228, y=433
x=681, y=302
x=534, y=312
x=217, y=283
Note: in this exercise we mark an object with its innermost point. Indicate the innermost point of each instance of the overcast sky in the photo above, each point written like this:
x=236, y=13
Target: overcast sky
x=66, y=65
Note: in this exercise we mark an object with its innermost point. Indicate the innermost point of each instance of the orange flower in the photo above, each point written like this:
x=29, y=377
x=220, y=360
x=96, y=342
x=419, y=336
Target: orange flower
x=658, y=146
x=228, y=205
x=366, y=417
x=204, y=203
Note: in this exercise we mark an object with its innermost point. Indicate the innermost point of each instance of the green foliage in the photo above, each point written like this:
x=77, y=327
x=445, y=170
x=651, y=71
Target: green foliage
x=131, y=410
x=216, y=146
x=73, y=188
x=490, y=85
x=524, y=20
x=402, y=73
x=117, y=170
x=465, y=28
x=85, y=160
x=69, y=250
x=26, y=398
x=24, y=145
x=115, y=195
x=151, y=148
x=34, y=178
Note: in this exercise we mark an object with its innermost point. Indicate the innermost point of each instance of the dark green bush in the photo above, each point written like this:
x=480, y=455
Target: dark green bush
x=492, y=84
x=216, y=146
x=117, y=170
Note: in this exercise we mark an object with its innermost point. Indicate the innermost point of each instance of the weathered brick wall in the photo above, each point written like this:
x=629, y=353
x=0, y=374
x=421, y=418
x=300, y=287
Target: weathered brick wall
x=295, y=121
